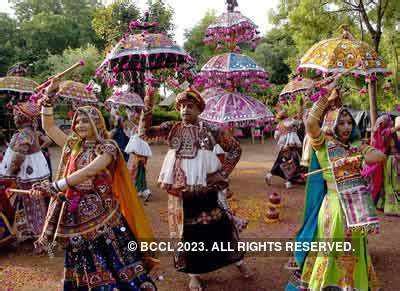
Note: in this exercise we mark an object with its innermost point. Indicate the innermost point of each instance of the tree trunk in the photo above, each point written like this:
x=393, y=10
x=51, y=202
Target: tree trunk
x=396, y=68
x=372, y=102
x=377, y=39
x=361, y=27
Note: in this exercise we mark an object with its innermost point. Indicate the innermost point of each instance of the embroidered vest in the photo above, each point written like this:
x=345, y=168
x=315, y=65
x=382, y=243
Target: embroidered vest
x=354, y=196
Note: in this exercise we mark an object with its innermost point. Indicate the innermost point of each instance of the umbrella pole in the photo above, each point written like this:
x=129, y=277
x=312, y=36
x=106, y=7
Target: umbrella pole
x=372, y=101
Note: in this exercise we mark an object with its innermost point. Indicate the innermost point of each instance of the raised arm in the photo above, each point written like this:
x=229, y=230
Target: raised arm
x=316, y=114
x=148, y=130
x=145, y=128
x=96, y=166
x=48, y=123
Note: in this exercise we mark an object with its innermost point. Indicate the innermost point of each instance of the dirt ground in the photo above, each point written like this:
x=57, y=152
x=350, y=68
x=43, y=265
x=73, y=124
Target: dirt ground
x=21, y=270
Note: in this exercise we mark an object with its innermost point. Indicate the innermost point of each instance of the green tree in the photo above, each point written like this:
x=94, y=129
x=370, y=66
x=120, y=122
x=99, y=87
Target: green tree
x=372, y=15
x=272, y=53
x=194, y=44
x=163, y=14
x=310, y=22
x=8, y=42
x=48, y=33
x=58, y=63
x=26, y=9
x=111, y=22
x=50, y=26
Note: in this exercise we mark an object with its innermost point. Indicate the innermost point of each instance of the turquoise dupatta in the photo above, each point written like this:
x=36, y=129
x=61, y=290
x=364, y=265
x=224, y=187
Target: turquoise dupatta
x=315, y=192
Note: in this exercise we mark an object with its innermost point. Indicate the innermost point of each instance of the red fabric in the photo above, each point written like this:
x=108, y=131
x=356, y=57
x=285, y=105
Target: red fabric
x=380, y=140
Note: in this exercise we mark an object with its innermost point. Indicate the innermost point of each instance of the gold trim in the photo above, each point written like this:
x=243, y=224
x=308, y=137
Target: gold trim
x=92, y=228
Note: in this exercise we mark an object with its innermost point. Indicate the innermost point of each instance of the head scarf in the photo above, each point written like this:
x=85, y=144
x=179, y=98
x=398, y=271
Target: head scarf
x=27, y=112
x=331, y=121
x=96, y=120
x=380, y=132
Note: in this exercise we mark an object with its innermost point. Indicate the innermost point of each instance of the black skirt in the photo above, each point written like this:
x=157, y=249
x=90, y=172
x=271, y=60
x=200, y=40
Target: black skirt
x=294, y=174
x=206, y=225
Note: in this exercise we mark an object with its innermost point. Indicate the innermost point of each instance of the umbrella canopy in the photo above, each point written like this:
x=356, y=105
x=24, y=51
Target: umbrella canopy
x=231, y=70
x=76, y=93
x=129, y=99
x=232, y=27
x=212, y=92
x=17, y=84
x=340, y=53
x=235, y=108
x=297, y=85
x=136, y=53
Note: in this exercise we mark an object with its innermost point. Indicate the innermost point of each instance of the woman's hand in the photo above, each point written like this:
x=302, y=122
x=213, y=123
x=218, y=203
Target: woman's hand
x=53, y=87
x=46, y=189
x=346, y=161
x=51, y=90
x=41, y=244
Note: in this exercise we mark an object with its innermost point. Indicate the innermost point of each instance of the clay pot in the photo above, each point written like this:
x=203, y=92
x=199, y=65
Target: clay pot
x=272, y=213
x=275, y=198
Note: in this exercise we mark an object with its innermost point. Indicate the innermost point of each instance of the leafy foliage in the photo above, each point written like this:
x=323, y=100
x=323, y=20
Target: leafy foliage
x=194, y=44
x=89, y=53
x=111, y=22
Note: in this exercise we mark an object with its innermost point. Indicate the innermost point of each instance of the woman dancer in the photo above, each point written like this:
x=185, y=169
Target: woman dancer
x=338, y=206
x=94, y=210
x=385, y=185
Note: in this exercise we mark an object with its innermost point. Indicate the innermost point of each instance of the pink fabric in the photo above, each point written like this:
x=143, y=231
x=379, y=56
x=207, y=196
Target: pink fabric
x=380, y=141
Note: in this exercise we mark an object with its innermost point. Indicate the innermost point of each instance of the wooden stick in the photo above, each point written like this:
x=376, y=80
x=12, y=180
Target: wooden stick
x=330, y=167
x=345, y=72
x=18, y=191
x=317, y=171
x=59, y=75
x=53, y=244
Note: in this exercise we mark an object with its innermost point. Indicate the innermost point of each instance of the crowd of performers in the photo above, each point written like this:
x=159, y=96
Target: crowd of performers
x=92, y=208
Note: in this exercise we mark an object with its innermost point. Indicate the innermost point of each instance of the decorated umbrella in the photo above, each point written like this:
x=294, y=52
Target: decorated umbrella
x=212, y=92
x=232, y=70
x=233, y=108
x=233, y=28
x=19, y=69
x=76, y=93
x=341, y=53
x=17, y=84
x=128, y=99
x=136, y=54
x=297, y=85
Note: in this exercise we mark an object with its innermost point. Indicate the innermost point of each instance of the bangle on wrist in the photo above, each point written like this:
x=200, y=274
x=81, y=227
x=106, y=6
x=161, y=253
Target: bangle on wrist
x=62, y=184
x=55, y=186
